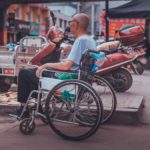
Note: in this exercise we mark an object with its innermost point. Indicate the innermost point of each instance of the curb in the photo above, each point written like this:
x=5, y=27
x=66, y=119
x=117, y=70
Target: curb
x=125, y=118
x=119, y=117
x=6, y=108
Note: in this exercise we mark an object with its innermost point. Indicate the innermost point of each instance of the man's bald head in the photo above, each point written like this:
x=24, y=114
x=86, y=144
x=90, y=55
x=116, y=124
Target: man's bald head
x=83, y=20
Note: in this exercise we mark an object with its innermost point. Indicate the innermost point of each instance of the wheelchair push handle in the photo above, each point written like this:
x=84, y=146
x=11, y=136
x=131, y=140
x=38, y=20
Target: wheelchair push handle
x=105, y=51
x=93, y=51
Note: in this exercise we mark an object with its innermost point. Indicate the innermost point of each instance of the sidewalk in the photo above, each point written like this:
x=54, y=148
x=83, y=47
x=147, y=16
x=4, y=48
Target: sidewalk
x=128, y=103
x=138, y=93
x=8, y=101
x=141, y=86
x=6, y=124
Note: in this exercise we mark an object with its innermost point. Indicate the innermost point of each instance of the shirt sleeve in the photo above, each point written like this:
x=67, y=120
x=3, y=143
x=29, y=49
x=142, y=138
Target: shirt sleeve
x=79, y=47
x=76, y=52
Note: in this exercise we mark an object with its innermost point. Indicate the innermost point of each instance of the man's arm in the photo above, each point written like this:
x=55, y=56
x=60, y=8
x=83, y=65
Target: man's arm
x=59, y=66
x=42, y=53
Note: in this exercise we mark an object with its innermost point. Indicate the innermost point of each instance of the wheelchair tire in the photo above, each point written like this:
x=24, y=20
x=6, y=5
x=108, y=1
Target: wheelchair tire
x=77, y=117
x=107, y=96
x=26, y=127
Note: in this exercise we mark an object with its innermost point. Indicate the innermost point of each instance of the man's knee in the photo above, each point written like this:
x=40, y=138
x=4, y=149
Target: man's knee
x=27, y=73
x=23, y=73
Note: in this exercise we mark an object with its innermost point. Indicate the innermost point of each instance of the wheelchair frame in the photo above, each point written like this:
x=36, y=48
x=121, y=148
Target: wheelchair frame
x=35, y=104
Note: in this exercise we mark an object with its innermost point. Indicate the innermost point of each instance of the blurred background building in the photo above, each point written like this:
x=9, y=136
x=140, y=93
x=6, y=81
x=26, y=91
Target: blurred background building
x=35, y=19
x=61, y=13
x=26, y=19
x=94, y=10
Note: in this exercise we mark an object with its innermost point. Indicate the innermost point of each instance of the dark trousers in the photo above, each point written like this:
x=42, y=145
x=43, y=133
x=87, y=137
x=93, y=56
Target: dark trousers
x=27, y=81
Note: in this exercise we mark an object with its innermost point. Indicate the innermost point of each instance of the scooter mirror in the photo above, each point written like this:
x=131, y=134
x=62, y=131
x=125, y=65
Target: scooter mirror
x=67, y=29
x=66, y=32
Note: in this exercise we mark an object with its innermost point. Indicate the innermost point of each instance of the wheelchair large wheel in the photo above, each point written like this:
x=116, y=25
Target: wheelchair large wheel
x=76, y=110
x=107, y=95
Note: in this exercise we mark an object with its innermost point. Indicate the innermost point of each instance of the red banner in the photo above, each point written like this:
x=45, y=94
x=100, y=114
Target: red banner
x=116, y=24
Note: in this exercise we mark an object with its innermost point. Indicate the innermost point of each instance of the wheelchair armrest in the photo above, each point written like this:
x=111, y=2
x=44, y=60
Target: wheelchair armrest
x=93, y=51
x=51, y=77
x=51, y=72
x=69, y=71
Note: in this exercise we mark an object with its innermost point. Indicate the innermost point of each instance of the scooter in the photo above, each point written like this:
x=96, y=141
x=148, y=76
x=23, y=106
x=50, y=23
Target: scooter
x=131, y=39
x=132, y=36
x=138, y=64
x=114, y=68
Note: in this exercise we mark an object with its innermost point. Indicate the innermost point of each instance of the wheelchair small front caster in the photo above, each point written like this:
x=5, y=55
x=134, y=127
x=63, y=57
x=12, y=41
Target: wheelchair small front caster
x=27, y=126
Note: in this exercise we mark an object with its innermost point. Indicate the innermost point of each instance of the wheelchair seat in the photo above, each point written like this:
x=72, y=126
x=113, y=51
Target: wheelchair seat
x=51, y=77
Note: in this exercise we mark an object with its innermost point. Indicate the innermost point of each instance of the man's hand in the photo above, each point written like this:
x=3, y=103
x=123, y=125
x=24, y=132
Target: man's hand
x=67, y=49
x=38, y=71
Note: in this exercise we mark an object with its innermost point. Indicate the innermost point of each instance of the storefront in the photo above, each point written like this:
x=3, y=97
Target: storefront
x=29, y=28
x=22, y=28
x=34, y=29
x=43, y=29
x=117, y=23
x=11, y=35
x=136, y=11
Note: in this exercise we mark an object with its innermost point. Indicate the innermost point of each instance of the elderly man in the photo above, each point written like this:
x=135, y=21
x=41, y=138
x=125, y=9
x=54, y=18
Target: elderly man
x=78, y=26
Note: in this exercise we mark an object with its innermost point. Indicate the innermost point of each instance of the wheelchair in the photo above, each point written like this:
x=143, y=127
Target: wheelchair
x=74, y=104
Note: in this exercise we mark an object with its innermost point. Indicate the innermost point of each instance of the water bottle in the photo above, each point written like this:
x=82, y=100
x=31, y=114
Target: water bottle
x=99, y=60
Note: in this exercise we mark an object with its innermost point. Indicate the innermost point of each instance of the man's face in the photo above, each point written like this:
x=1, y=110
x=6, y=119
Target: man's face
x=73, y=26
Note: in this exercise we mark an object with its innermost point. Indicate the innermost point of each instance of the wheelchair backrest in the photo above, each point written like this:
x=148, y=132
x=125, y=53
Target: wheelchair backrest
x=91, y=61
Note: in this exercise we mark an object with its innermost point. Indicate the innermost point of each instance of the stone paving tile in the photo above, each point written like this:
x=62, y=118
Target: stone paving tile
x=6, y=123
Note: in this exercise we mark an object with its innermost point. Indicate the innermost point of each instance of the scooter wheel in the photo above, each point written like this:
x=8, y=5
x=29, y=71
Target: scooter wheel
x=27, y=126
x=124, y=78
x=139, y=68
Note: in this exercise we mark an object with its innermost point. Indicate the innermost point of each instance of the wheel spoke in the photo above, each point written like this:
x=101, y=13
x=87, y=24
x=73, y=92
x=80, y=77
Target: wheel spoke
x=75, y=119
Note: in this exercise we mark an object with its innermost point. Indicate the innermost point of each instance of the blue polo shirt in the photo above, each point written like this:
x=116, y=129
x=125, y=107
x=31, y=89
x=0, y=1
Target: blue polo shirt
x=80, y=46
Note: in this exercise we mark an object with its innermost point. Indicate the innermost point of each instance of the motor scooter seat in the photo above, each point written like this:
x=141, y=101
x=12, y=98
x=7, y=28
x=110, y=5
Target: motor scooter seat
x=111, y=46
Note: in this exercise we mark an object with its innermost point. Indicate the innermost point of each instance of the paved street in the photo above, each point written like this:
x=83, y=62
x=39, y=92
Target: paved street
x=108, y=137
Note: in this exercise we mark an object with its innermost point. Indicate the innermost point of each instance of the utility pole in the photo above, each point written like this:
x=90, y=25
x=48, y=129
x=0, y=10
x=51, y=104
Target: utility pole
x=3, y=24
x=107, y=20
x=78, y=7
x=92, y=19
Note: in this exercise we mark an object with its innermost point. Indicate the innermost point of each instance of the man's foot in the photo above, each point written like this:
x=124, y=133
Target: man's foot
x=17, y=112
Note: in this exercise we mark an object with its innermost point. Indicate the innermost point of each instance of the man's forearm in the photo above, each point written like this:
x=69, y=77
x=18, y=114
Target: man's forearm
x=58, y=66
